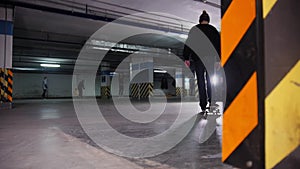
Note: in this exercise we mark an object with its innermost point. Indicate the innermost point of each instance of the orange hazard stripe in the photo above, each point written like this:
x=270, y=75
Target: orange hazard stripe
x=241, y=117
x=9, y=89
x=10, y=73
x=9, y=98
x=10, y=81
x=235, y=23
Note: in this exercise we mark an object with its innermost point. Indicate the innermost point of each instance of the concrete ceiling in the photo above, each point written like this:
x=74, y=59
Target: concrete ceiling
x=189, y=10
x=54, y=31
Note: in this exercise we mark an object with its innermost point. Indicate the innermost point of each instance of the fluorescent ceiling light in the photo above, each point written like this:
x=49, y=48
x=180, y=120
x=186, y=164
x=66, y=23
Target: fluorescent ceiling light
x=25, y=68
x=49, y=65
x=183, y=36
x=112, y=73
x=160, y=71
x=100, y=48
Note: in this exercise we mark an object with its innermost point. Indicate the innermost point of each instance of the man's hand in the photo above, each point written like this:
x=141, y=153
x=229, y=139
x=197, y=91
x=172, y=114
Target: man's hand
x=187, y=63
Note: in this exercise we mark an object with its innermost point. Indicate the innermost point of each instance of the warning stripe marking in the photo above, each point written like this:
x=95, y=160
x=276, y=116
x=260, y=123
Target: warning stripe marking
x=283, y=118
x=10, y=73
x=224, y=6
x=141, y=90
x=9, y=89
x=9, y=98
x=10, y=81
x=243, y=113
x=6, y=83
x=267, y=6
x=235, y=22
x=178, y=91
x=134, y=90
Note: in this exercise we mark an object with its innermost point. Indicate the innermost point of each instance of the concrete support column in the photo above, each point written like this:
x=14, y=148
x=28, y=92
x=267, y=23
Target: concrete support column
x=6, y=43
x=141, y=77
x=6, y=37
x=105, y=80
x=179, y=82
x=121, y=84
x=172, y=86
x=186, y=86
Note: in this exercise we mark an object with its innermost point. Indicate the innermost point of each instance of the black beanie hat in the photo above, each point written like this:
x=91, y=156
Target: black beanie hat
x=204, y=17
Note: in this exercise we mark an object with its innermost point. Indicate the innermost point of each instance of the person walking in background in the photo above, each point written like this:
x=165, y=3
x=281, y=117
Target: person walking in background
x=80, y=87
x=45, y=87
x=196, y=64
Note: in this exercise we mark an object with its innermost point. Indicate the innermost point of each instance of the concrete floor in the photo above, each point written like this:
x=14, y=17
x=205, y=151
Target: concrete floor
x=42, y=134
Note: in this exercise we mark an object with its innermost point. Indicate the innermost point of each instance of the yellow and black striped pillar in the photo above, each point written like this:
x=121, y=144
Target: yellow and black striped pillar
x=282, y=73
x=260, y=55
x=2, y=86
x=141, y=90
x=105, y=91
x=179, y=91
x=6, y=82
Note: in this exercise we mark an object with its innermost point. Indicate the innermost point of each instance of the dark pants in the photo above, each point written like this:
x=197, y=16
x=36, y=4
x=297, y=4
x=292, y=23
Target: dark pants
x=44, y=93
x=204, y=86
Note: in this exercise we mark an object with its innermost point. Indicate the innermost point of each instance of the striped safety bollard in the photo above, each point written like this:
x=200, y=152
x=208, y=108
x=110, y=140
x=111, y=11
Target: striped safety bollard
x=6, y=86
x=2, y=84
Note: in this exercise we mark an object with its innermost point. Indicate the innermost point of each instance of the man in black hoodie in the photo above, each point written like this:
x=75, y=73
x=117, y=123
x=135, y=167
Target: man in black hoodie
x=193, y=61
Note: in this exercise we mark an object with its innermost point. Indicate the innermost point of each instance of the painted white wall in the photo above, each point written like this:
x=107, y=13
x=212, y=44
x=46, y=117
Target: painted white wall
x=29, y=85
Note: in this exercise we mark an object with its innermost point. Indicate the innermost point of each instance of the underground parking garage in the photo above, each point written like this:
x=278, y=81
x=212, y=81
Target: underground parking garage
x=104, y=84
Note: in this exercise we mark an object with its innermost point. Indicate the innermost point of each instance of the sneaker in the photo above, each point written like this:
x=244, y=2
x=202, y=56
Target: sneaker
x=203, y=113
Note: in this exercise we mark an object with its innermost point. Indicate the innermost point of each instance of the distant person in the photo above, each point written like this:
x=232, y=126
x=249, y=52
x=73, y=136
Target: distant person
x=45, y=87
x=196, y=64
x=80, y=87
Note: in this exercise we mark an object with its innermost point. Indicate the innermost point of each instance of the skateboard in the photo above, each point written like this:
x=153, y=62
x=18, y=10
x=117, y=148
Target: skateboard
x=211, y=110
x=214, y=110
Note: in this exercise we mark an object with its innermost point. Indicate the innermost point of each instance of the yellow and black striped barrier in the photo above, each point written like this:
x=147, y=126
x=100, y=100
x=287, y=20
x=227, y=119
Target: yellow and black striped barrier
x=179, y=91
x=282, y=75
x=6, y=81
x=105, y=91
x=261, y=124
x=141, y=90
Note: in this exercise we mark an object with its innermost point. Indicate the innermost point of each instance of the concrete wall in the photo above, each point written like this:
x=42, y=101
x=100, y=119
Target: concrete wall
x=29, y=85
